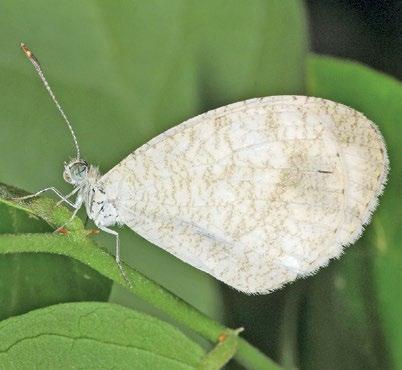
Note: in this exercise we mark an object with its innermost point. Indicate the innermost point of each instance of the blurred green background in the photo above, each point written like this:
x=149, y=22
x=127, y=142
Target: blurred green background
x=126, y=71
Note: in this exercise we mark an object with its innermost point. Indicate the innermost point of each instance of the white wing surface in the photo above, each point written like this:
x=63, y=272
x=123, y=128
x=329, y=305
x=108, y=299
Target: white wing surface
x=256, y=193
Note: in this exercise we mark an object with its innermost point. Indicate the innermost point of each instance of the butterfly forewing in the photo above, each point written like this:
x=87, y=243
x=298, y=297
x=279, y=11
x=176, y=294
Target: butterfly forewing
x=255, y=193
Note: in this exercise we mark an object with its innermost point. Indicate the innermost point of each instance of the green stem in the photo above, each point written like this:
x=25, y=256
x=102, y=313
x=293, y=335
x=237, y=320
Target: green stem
x=76, y=246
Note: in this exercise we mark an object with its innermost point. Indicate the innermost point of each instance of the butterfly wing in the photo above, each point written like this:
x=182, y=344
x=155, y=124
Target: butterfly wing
x=255, y=193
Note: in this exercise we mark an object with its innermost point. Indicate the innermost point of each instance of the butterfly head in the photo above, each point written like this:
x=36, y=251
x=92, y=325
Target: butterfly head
x=75, y=172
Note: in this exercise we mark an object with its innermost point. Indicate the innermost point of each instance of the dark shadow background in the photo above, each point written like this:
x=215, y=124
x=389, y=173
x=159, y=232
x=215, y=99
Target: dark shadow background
x=367, y=31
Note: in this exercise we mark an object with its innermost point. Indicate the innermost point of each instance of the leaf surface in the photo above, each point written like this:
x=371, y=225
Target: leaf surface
x=91, y=335
x=33, y=280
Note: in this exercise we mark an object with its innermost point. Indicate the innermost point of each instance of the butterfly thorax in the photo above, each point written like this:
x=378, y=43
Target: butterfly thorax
x=99, y=208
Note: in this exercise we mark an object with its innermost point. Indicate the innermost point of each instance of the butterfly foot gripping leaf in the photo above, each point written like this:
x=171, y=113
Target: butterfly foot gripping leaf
x=256, y=193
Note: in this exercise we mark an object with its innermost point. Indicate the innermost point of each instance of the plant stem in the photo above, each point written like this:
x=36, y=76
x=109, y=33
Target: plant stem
x=83, y=249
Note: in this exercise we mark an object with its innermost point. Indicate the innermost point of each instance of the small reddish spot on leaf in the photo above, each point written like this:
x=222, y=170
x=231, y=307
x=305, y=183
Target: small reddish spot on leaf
x=222, y=338
x=62, y=230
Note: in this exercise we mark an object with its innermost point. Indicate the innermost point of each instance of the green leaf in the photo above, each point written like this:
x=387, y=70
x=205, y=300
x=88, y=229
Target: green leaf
x=94, y=335
x=248, y=51
x=33, y=280
x=363, y=293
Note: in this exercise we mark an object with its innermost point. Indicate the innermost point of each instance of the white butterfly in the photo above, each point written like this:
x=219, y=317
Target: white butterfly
x=255, y=193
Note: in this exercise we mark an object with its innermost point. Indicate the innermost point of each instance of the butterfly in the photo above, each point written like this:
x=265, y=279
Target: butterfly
x=255, y=193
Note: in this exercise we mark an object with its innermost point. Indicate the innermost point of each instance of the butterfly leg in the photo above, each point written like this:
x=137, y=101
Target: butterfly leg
x=57, y=192
x=64, y=199
x=117, y=253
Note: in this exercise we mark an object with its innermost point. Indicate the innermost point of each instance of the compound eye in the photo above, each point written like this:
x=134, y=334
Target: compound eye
x=79, y=171
x=75, y=172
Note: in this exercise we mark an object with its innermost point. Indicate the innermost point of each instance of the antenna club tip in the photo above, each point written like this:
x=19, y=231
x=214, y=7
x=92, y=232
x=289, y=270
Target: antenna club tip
x=26, y=50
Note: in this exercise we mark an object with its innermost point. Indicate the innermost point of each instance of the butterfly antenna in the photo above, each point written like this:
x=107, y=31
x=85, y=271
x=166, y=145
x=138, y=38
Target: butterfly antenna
x=38, y=69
